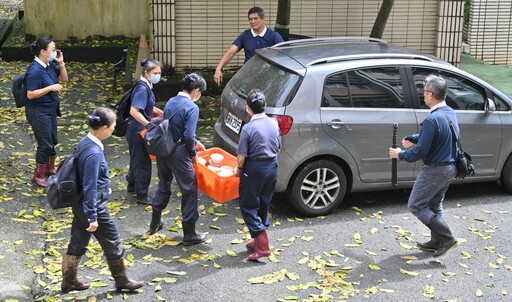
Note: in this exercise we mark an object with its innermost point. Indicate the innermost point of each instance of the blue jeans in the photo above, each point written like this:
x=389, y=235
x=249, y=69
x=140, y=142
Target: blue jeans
x=257, y=183
x=139, y=172
x=178, y=165
x=107, y=233
x=44, y=125
x=427, y=196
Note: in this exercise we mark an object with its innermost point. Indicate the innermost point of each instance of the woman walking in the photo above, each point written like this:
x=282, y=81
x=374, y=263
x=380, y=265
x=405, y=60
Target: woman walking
x=92, y=217
x=258, y=147
x=141, y=111
x=42, y=78
x=180, y=164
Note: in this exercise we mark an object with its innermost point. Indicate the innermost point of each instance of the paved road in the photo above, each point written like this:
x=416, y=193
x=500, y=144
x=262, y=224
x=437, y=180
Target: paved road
x=364, y=252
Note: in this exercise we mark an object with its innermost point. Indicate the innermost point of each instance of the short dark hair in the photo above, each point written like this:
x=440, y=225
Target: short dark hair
x=437, y=85
x=40, y=44
x=193, y=81
x=101, y=116
x=256, y=101
x=257, y=10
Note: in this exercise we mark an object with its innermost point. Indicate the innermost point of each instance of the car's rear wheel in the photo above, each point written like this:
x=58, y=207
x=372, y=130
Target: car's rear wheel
x=318, y=188
x=506, y=175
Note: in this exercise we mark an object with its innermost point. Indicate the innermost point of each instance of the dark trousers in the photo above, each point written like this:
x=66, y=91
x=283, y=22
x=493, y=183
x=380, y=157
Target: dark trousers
x=257, y=183
x=178, y=165
x=139, y=173
x=106, y=233
x=427, y=195
x=44, y=125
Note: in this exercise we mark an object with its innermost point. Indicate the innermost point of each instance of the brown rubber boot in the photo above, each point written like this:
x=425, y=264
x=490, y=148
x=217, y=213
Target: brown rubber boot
x=69, y=271
x=118, y=271
x=261, y=248
x=39, y=175
x=50, y=166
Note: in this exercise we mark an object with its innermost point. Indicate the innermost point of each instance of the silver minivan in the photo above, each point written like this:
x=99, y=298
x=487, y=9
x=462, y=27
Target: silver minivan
x=336, y=100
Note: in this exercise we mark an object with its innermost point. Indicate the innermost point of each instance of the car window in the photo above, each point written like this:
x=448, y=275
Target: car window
x=501, y=105
x=276, y=83
x=462, y=93
x=368, y=88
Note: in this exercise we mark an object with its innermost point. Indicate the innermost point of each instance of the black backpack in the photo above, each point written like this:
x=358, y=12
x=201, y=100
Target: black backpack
x=64, y=189
x=158, y=138
x=122, y=109
x=19, y=90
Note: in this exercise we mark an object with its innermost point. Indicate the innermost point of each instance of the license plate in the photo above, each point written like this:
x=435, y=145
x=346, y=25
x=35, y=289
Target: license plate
x=233, y=122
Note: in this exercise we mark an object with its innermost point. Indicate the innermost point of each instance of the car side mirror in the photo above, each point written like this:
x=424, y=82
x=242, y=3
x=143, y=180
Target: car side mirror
x=489, y=106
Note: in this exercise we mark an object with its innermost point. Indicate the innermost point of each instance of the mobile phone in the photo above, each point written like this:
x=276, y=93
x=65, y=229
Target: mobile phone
x=58, y=53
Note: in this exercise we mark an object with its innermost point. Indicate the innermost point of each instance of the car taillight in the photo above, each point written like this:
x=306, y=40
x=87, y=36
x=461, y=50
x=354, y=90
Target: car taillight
x=284, y=121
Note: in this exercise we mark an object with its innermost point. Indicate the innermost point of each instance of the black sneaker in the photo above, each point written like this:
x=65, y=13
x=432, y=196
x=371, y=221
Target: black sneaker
x=143, y=198
x=130, y=188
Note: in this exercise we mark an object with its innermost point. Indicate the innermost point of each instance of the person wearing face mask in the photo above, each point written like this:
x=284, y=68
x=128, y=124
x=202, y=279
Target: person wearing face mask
x=180, y=163
x=141, y=111
x=42, y=78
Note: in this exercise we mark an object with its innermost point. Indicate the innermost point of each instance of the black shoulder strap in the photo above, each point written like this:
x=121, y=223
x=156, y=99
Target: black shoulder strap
x=141, y=82
x=454, y=133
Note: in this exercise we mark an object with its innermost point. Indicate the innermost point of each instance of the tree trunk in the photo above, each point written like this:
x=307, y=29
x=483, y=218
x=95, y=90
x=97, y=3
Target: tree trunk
x=283, y=18
x=382, y=19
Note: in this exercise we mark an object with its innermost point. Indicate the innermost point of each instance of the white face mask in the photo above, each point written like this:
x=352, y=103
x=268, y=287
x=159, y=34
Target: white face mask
x=53, y=55
x=155, y=78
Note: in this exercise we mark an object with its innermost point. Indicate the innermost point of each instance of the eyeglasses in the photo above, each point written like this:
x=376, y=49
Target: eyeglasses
x=424, y=90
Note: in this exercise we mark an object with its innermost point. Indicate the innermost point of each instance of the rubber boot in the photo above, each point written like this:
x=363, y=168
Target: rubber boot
x=69, y=271
x=118, y=270
x=50, y=166
x=446, y=240
x=157, y=222
x=39, y=175
x=431, y=245
x=190, y=237
x=251, y=244
x=261, y=248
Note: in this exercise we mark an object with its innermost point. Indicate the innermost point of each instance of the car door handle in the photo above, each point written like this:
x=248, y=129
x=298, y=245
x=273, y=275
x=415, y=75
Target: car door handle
x=335, y=124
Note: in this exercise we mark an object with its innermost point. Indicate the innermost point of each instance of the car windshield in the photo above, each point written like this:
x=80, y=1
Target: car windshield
x=276, y=83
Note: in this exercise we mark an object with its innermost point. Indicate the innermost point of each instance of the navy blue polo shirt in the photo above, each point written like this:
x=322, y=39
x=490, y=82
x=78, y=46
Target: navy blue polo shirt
x=250, y=43
x=38, y=77
x=140, y=99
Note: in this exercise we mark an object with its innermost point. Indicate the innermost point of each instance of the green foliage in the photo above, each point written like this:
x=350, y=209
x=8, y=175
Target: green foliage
x=467, y=10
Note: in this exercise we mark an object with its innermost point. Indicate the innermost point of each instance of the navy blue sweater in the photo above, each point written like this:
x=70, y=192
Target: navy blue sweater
x=434, y=143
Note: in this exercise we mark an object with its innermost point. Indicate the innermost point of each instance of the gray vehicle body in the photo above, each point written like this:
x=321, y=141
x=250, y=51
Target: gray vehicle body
x=355, y=138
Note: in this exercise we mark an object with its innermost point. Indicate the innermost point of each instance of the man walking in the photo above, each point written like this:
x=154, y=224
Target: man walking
x=435, y=145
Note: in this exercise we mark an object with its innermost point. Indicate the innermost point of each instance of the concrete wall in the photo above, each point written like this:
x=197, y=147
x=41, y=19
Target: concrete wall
x=82, y=18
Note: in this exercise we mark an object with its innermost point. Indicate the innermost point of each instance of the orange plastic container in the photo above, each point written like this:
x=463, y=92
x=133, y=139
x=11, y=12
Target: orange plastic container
x=221, y=189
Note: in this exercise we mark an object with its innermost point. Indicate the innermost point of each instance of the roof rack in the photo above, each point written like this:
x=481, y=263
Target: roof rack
x=327, y=40
x=370, y=56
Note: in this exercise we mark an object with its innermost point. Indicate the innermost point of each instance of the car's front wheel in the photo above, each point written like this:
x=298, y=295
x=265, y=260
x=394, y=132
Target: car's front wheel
x=318, y=188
